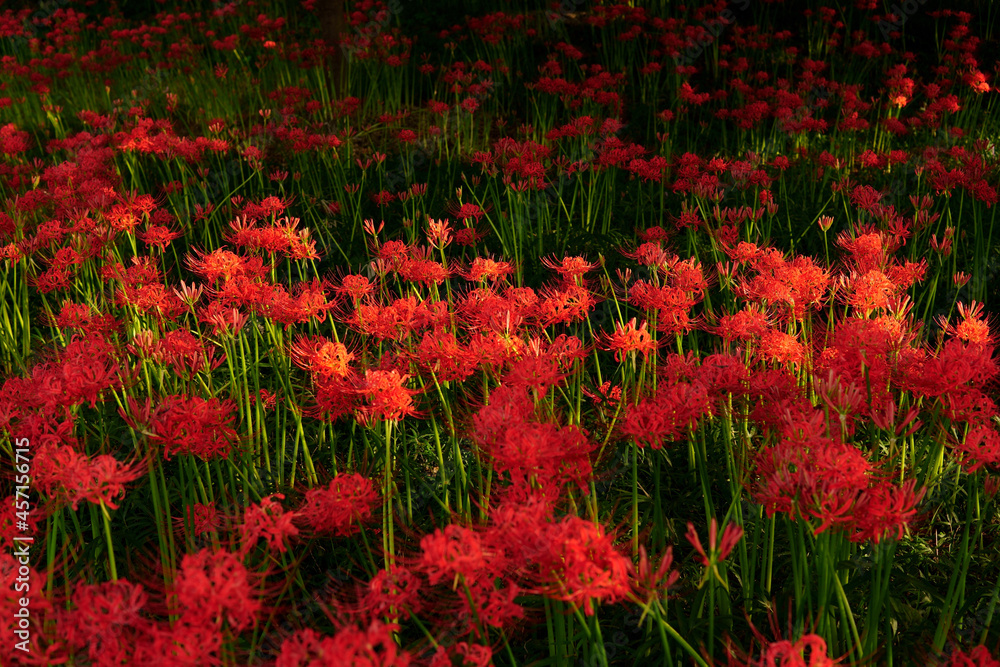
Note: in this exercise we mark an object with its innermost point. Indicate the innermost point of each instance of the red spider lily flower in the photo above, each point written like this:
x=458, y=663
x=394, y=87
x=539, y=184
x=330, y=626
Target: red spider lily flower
x=793, y=285
x=269, y=520
x=87, y=320
x=225, y=265
x=159, y=236
x=439, y=233
x=651, y=584
x=340, y=507
x=980, y=447
x=105, y=620
x=718, y=550
x=350, y=646
x=214, y=587
x=627, y=340
x=13, y=140
x=455, y=554
x=884, y=510
x=67, y=476
x=225, y=321
x=744, y=325
x=321, y=357
x=469, y=236
x=202, y=518
x=356, y=287
x=885, y=419
x=266, y=399
x=466, y=211
x=666, y=416
x=979, y=656
x=424, y=271
x=186, y=354
x=307, y=301
x=869, y=291
x=578, y=563
x=282, y=236
x=487, y=268
x=84, y=370
x=530, y=451
x=536, y=371
x=572, y=303
x=808, y=651
x=780, y=347
x=193, y=425
x=463, y=654
x=570, y=268
x=440, y=352
x=650, y=253
x=973, y=328
x=386, y=397
x=396, y=590
x=185, y=642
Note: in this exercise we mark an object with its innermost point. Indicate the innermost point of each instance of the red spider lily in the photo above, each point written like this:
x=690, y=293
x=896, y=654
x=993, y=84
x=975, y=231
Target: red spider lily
x=980, y=447
x=283, y=236
x=269, y=520
x=106, y=620
x=572, y=303
x=463, y=654
x=978, y=656
x=214, y=587
x=307, y=301
x=441, y=353
x=465, y=211
x=202, y=518
x=578, y=563
x=423, y=271
x=718, y=550
x=224, y=265
x=532, y=452
x=159, y=236
x=67, y=476
x=439, y=233
x=807, y=651
x=193, y=425
x=266, y=399
x=340, y=507
x=780, y=347
x=793, y=285
x=186, y=354
x=456, y=554
x=627, y=340
x=651, y=585
x=356, y=287
x=321, y=357
x=393, y=591
x=571, y=269
x=86, y=319
x=350, y=646
x=395, y=321
x=973, y=328
x=9, y=522
x=666, y=416
x=486, y=268
x=17, y=578
x=385, y=397
x=744, y=325
x=885, y=509
x=225, y=321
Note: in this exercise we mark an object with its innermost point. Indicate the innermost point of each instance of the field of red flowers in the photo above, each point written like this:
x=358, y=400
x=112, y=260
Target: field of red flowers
x=499, y=333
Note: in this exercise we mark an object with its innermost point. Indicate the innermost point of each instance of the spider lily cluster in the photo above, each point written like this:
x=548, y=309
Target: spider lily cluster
x=593, y=341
